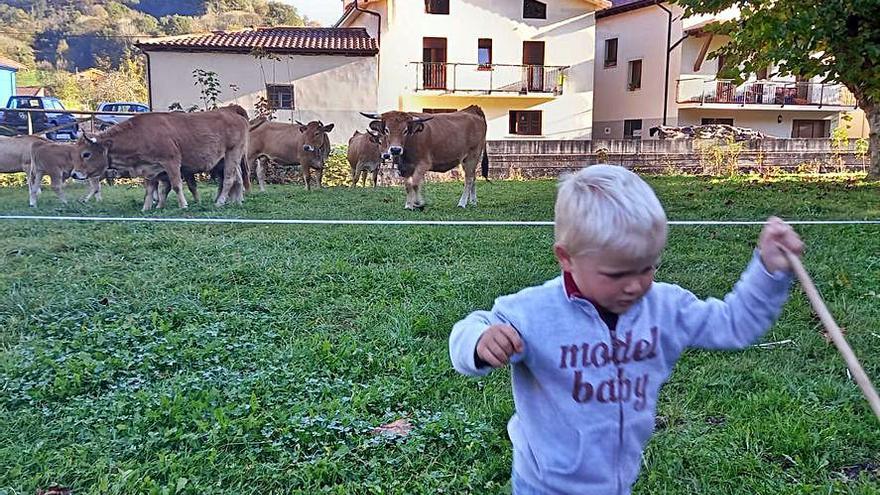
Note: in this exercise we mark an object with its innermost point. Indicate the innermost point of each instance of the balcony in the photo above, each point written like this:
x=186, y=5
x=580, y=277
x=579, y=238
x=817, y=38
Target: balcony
x=718, y=93
x=497, y=79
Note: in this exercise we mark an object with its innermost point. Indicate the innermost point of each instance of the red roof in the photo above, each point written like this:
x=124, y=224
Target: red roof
x=293, y=40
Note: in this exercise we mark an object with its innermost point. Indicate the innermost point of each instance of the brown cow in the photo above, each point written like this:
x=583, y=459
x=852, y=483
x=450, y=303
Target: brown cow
x=306, y=145
x=420, y=143
x=57, y=161
x=150, y=144
x=366, y=153
x=15, y=153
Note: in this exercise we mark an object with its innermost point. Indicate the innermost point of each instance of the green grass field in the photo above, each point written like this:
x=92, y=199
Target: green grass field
x=256, y=359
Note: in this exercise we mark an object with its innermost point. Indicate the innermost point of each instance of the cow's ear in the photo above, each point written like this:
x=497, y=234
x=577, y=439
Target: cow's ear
x=375, y=137
x=415, y=127
x=302, y=128
x=329, y=127
x=378, y=126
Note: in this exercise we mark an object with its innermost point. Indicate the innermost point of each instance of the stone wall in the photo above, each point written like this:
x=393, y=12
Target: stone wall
x=550, y=158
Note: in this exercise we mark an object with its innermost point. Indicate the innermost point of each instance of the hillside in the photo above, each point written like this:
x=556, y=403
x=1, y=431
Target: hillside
x=76, y=35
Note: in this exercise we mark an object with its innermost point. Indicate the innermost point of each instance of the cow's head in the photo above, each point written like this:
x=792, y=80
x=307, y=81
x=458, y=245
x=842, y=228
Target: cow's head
x=314, y=141
x=94, y=154
x=397, y=127
x=381, y=142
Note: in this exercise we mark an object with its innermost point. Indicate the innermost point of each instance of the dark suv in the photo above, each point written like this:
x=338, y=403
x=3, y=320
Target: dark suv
x=54, y=116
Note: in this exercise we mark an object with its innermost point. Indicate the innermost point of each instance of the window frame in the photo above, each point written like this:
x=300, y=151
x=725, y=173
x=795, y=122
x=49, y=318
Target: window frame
x=480, y=46
x=630, y=86
x=632, y=130
x=607, y=62
x=438, y=5
x=536, y=4
x=271, y=100
x=513, y=122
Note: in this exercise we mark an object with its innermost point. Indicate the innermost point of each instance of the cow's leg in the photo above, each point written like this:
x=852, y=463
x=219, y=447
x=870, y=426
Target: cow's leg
x=364, y=174
x=408, y=184
x=149, y=192
x=232, y=181
x=417, y=202
x=307, y=176
x=261, y=172
x=176, y=181
x=160, y=196
x=94, y=190
x=355, y=175
x=319, y=177
x=193, y=186
x=469, y=194
x=375, y=176
x=58, y=185
x=33, y=182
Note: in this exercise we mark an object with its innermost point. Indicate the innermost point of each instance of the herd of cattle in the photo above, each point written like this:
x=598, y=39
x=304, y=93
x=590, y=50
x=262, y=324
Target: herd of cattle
x=168, y=149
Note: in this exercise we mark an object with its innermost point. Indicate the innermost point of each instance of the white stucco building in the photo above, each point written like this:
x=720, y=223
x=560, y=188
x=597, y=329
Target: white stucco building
x=527, y=63
x=306, y=73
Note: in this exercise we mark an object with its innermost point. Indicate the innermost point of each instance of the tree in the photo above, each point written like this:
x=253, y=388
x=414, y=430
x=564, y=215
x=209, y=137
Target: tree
x=838, y=40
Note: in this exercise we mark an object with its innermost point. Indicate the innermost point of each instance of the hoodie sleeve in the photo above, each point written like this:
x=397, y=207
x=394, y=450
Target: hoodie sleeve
x=466, y=333
x=745, y=314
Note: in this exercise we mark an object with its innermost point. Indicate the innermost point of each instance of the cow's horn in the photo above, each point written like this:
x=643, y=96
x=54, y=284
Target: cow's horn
x=421, y=120
x=300, y=123
x=92, y=139
x=373, y=116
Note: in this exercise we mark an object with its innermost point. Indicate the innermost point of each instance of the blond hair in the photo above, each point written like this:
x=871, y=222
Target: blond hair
x=607, y=207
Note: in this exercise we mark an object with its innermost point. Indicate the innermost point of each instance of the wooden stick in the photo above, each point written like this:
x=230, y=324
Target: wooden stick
x=834, y=332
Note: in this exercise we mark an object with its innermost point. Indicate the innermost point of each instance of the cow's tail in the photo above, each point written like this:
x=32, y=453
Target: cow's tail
x=31, y=172
x=245, y=173
x=484, y=168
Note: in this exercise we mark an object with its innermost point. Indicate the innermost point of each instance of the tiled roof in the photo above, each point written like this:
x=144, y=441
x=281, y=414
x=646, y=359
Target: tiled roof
x=294, y=40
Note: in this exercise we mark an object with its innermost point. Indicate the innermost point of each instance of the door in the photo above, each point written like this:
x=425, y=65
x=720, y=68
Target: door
x=434, y=63
x=533, y=62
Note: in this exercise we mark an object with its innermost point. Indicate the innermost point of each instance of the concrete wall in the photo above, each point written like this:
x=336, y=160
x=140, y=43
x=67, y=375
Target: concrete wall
x=327, y=88
x=568, y=34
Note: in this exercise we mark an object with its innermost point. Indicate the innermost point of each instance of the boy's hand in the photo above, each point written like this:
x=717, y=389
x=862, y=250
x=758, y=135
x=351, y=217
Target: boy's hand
x=497, y=344
x=776, y=233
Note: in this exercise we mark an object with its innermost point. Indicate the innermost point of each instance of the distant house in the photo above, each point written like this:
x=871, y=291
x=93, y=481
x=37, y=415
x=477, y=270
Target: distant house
x=8, y=70
x=90, y=75
x=631, y=39
x=304, y=73
x=30, y=91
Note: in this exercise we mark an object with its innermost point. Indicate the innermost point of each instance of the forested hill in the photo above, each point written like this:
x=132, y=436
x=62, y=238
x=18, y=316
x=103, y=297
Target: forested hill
x=75, y=35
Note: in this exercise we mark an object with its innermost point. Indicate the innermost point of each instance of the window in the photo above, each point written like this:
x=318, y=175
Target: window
x=712, y=121
x=611, y=53
x=280, y=96
x=632, y=129
x=634, y=78
x=484, y=52
x=810, y=129
x=438, y=110
x=525, y=122
x=437, y=6
x=533, y=9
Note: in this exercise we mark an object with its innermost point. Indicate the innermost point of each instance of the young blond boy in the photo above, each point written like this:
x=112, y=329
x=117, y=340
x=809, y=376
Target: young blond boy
x=591, y=348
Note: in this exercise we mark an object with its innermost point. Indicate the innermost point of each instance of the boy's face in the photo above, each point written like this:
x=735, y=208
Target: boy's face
x=609, y=279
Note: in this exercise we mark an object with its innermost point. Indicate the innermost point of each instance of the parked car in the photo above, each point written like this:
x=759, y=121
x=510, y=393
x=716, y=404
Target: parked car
x=105, y=121
x=53, y=117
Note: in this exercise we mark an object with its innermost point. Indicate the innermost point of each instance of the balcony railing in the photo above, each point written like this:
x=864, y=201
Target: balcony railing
x=779, y=93
x=494, y=78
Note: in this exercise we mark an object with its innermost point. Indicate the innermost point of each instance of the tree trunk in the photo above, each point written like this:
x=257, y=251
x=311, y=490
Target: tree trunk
x=873, y=113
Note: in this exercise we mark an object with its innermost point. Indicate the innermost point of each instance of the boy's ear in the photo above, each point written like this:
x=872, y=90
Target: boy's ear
x=563, y=257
